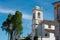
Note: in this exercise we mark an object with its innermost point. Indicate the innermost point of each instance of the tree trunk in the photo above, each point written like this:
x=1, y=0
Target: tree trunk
x=11, y=35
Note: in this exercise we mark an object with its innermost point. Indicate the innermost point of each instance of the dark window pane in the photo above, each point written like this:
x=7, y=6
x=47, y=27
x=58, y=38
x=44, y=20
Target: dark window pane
x=49, y=26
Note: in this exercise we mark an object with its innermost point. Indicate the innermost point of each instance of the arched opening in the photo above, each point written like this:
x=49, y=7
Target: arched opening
x=38, y=14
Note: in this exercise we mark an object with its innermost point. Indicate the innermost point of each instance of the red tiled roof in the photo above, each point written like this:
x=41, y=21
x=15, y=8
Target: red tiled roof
x=48, y=22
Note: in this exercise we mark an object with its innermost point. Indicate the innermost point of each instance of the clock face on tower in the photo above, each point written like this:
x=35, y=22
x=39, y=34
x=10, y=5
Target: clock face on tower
x=58, y=12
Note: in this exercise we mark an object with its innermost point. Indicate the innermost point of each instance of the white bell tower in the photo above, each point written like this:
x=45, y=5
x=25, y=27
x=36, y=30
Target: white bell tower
x=37, y=18
x=37, y=15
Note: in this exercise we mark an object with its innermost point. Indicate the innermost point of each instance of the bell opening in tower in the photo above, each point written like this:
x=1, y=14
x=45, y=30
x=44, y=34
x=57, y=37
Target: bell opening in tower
x=33, y=16
x=38, y=14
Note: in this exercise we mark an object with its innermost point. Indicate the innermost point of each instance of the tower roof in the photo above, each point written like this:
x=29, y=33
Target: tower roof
x=37, y=8
x=56, y=2
x=48, y=22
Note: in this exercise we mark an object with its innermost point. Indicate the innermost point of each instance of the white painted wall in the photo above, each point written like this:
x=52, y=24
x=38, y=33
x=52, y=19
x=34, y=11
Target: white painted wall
x=53, y=27
x=47, y=27
x=50, y=36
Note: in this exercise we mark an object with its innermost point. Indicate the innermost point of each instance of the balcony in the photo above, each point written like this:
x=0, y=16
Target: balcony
x=49, y=28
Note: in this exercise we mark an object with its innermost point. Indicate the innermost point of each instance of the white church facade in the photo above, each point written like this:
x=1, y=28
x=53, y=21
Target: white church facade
x=45, y=29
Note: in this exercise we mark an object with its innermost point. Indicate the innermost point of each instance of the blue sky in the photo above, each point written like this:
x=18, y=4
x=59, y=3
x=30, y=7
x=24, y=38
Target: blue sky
x=25, y=6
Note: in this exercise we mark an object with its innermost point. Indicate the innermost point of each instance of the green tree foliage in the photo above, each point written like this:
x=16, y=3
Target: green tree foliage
x=6, y=24
x=16, y=21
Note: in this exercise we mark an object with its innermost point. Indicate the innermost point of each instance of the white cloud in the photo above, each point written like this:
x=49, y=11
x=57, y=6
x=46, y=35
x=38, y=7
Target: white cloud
x=6, y=11
x=25, y=16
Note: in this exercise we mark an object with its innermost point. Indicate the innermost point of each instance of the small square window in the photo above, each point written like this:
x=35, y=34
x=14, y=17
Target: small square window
x=46, y=34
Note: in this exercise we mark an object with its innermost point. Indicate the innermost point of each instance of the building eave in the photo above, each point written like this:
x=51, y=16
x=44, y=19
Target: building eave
x=56, y=2
x=50, y=30
x=48, y=22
